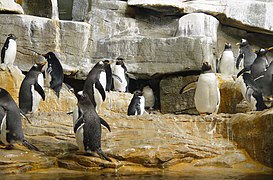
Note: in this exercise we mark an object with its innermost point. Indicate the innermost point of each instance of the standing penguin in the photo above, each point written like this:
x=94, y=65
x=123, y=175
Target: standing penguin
x=88, y=127
x=149, y=97
x=259, y=65
x=253, y=93
x=8, y=52
x=245, y=54
x=32, y=90
x=11, y=125
x=137, y=104
x=54, y=74
x=95, y=84
x=226, y=62
x=207, y=94
x=120, y=71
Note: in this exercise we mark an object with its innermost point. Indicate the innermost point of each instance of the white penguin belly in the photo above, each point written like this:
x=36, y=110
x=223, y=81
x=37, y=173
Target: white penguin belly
x=10, y=53
x=36, y=96
x=79, y=138
x=206, y=95
x=4, y=130
x=98, y=98
x=142, y=105
x=227, y=63
x=103, y=79
x=148, y=96
x=119, y=86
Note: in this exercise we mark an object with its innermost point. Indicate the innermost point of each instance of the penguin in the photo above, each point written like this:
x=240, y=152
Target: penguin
x=95, y=84
x=264, y=81
x=149, y=97
x=207, y=94
x=11, y=124
x=54, y=74
x=259, y=65
x=245, y=53
x=137, y=104
x=120, y=70
x=87, y=128
x=226, y=63
x=8, y=52
x=108, y=75
x=254, y=92
x=32, y=90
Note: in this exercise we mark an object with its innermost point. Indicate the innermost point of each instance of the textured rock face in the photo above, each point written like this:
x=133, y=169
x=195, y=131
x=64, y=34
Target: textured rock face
x=11, y=7
x=254, y=133
x=250, y=14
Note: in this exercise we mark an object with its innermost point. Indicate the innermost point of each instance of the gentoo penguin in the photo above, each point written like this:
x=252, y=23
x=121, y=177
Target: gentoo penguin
x=149, y=97
x=32, y=90
x=94, y=86
x=11, y=125
x=207, y=94
x=8, y=52
x=264, y=81
x=54, y=74
x=120, y=70
x=245, y=53
x=137, y=104
x=226, y=63
x=88, y=127
x=259, y=65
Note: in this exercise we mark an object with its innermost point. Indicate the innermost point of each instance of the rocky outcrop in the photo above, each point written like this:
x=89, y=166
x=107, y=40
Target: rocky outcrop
x=253, y=15
x=254, y=133
x=7, y=6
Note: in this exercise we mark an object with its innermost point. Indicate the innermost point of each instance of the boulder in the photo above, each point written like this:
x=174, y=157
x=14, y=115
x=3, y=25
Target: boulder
x=254, y=133
x=251, y=15
x=8, y=6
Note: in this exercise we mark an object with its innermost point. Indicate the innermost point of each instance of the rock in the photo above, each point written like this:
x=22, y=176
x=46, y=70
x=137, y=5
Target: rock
x=253, y=132
x=250, y=15
x=80, y=10
x=8, y=6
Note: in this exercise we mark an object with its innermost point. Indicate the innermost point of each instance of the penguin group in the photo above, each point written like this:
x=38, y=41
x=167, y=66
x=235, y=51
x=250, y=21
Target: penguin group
x=254, y=75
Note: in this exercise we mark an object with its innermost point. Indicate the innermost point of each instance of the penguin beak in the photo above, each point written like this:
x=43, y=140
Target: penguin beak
x=269, y=48
x=238, y=44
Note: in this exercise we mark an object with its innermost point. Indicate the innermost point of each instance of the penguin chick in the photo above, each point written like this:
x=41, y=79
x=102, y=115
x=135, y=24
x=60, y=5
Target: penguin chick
x=137, y=104
x=11, y=124
x=54, y=73
x=88, y=127
x=8, y=52
x=149, y=97
x=32, y=90
x=226, y=62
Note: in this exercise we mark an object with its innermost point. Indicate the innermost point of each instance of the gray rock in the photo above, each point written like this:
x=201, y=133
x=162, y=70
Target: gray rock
x=11, y=7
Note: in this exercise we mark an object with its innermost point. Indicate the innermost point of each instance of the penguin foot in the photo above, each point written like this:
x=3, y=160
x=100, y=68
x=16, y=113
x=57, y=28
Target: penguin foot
x=9, y=147
x=101, y=153
x=29, y=145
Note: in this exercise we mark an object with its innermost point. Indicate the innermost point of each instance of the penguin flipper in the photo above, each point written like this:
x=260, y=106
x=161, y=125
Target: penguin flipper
x=239, y=58
x=105, y=124
x=24, y=116
x=29, y=145
x=218, y=64
x=117, y=77
x=243, y=71
x=218, y=100
x=101, y=153
x=101, y=90
x=248, y=94
x=78, y=123
x=188, y=87
x=39, y=89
